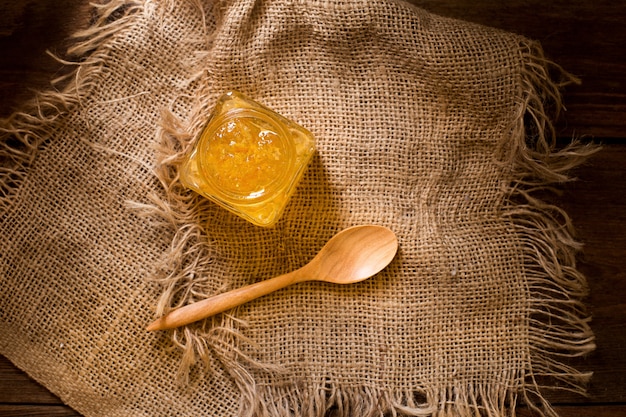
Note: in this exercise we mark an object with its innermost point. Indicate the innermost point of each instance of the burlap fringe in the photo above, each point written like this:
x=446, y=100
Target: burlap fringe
x=329, y=400
x=25, y=131
x=559, y=324
x=183, y=273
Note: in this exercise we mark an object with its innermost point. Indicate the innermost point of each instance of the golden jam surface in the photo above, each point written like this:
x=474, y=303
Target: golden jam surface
x=248, y=159
x=245, y=155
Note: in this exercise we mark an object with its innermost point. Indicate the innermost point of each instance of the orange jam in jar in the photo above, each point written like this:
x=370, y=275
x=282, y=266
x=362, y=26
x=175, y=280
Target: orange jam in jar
x=248, y=159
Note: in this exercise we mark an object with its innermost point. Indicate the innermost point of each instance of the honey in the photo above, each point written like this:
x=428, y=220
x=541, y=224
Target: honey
x=248, y=159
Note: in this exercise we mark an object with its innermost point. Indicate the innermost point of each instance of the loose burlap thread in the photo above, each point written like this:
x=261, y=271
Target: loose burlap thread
x=436, y=128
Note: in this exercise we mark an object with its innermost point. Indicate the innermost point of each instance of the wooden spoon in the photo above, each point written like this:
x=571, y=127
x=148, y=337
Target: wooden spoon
x=350, y=256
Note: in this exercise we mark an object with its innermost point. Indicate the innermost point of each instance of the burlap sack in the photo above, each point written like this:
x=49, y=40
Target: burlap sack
x=436, y=128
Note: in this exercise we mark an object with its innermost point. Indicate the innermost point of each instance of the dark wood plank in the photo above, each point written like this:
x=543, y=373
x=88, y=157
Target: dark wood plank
x=586, y=37
x=597, y=205
x=17, y=387
x=584, y=411
x=37, y=411
x=27, y=30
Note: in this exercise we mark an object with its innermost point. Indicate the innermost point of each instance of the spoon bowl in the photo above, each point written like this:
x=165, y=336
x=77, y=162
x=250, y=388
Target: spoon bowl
x=352, y=255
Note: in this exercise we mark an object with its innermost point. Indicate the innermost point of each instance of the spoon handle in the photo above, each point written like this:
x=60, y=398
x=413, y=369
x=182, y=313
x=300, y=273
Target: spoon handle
x=222, y=302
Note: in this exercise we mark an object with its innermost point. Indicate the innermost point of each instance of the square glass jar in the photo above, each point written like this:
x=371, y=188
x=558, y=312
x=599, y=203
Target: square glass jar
x=248, y=159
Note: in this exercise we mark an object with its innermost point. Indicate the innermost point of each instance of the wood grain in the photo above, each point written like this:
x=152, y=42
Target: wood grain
x=597, y=205
x=37, y=411
x=28, y=29
x=583, y=411
x=17, y=387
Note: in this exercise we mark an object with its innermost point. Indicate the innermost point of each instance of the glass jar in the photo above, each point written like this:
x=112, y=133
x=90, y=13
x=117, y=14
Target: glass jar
x=248, y=159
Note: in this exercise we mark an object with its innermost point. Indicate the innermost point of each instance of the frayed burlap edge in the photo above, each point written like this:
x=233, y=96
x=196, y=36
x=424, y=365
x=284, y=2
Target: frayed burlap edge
x=558, y=323
x=24, y=132
x=558, y=320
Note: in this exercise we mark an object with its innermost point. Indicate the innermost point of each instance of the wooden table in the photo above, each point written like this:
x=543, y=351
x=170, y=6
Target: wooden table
x=587, y=37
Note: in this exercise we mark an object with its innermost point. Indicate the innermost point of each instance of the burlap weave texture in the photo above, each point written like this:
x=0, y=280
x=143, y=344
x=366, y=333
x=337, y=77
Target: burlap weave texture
x=433, y=127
